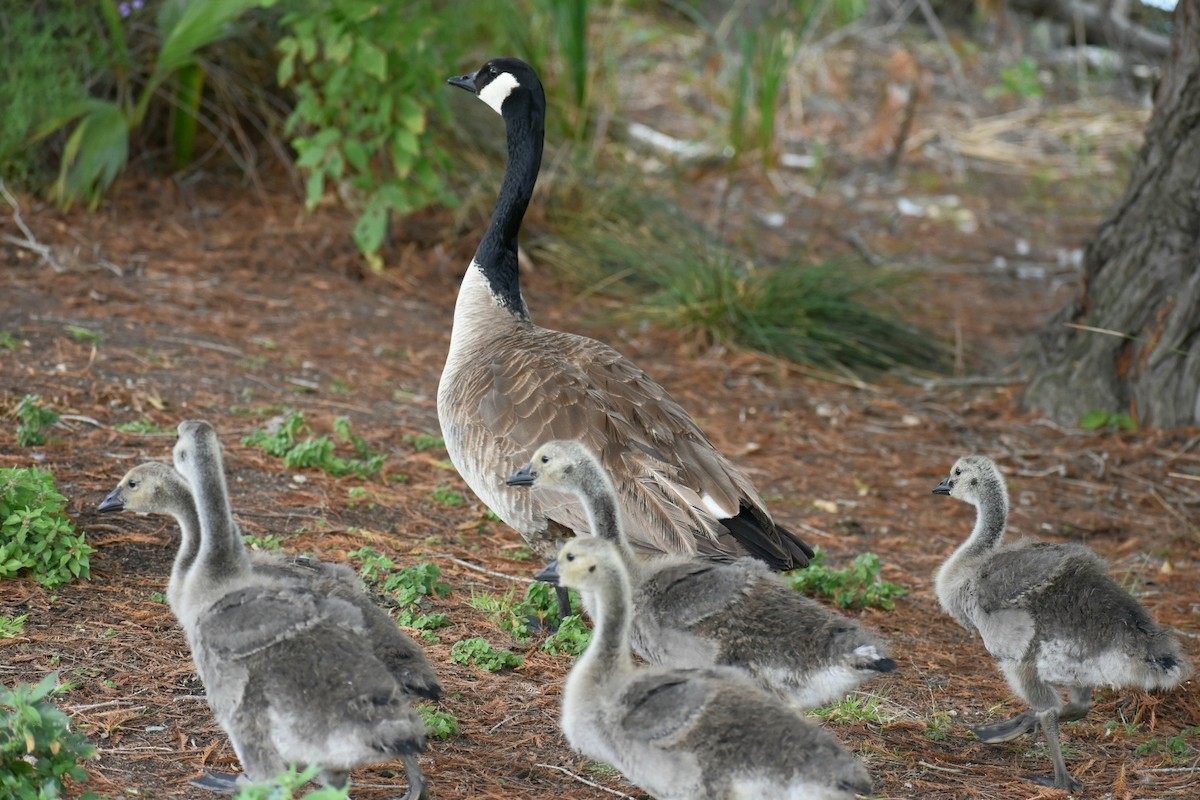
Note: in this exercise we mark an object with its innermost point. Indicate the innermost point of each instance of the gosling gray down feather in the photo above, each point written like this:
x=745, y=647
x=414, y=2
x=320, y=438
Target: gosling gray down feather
x=696, y=613
x=683, y=734
x=509, y=384
x=289, y=671
x=155, y=488
x=1050, y=614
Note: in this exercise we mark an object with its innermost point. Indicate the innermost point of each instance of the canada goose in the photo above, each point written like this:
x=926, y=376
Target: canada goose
x=156, y=488
x=685, y=733
x=509, y=385
x=289, y=670
x=1051, y=616
x=695, y=613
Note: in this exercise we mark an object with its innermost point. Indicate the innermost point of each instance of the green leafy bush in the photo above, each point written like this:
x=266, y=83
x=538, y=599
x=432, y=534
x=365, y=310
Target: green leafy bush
x=855, y=586
x=34, y=418
x=35, y=532
x=38, y=749
x=366, y=76
x=482, y=654
x=284, y=442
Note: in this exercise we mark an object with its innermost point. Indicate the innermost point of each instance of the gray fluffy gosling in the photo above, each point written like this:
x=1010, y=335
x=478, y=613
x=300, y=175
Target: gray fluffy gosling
x=509, y=385
x=692, y=612
x=685, y=734
x=288, y=667
x=1050, y=615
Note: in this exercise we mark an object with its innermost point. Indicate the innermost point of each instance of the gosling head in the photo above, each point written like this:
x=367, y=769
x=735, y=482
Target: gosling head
x=971, y=478
x=565, y=465
x=503, y=83
x=150, y=488
x=584, y=563
x=196, y=436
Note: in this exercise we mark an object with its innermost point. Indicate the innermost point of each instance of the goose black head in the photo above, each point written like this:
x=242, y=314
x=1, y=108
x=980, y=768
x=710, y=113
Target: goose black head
x=501, y=82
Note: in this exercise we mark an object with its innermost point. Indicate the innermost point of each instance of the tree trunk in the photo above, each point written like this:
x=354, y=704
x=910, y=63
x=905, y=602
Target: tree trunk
x=1130, y=343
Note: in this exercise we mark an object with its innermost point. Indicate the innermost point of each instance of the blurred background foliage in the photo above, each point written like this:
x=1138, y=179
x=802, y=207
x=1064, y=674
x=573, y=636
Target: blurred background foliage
x=348, y=98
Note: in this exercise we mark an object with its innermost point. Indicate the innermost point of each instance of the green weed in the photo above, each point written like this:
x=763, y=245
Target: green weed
x=448, y=497
x=538, y=609
x=1021, y=81
x=1179, y=748
x=269, y=542
x=938, y=726
x=290, y=785
x=81, y=334
x=426, y=441
x=284, y=442
x=144, y=426
x=438, y=724
x=12, y=627
x=571, y=638
x=406, y=588
x=37, y=746
x=37, y=533
x=34, y=418
x=1107, y=420
x=855, y=586
x=854, y=708
x=479, y=652
x=8, y=340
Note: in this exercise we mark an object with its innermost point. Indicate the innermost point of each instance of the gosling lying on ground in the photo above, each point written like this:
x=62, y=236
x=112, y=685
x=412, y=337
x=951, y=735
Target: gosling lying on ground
x=690, y=612
x=1051, y=616
x=683, y=734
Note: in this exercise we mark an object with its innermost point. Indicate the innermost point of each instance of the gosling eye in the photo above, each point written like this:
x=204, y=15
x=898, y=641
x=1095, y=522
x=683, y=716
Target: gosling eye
x=133, y=484
x=545, y=459
x=570, y=556
x=592, y=568
x=957, y=471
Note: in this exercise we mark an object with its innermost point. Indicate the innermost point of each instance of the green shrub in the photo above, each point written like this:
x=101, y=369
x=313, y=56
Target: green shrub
x=438, y=724
x=482, y=654
x=855, y=586
x=284, y=442
x=34, y=418
x=366, y=76
x=35, y=532
x=37, y=747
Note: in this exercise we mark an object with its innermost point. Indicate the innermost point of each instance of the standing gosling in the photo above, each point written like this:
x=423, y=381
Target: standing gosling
x=1051, y=616
x=683, y=734
x=692, y=612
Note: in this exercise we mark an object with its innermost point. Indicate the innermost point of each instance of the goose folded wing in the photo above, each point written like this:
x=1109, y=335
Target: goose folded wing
x=253, y=619
x=1013, y=578
x=685, y=594
x=663, y=707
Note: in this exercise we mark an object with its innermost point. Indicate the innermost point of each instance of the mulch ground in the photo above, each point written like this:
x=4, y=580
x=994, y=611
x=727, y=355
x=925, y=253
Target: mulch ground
x=215, y=303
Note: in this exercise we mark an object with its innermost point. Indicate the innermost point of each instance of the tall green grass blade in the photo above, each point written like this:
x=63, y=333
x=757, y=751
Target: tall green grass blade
x=189, y=91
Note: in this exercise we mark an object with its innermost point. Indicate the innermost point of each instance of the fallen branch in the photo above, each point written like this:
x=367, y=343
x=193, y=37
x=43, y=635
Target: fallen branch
x=585, y=781
x=30, y=241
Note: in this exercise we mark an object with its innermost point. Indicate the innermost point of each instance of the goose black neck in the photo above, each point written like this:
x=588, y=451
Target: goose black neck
x=524, y=118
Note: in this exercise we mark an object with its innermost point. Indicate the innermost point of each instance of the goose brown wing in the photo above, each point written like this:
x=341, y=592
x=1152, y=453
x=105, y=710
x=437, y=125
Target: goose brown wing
x=1014, y=576
x=671, y=480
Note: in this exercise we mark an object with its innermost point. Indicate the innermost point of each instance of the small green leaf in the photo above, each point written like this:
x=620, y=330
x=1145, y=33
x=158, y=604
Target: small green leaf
x=371, y=228
x=371, y=59
x=1094, y=420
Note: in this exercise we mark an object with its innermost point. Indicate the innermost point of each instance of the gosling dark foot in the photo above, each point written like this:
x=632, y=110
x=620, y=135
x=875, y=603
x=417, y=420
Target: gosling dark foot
x=1070, y=784
x=219, y=782
x=1006, y=730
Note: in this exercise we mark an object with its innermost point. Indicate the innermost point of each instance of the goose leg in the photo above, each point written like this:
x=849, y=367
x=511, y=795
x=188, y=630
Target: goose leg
x=418, y=787
x=1006, y=730
x=219, y=782
x=1078, y=706
x=564, y=602
x=1062, y=779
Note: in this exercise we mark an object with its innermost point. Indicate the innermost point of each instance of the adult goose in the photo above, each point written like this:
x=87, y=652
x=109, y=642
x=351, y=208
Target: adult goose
x=682, y=734
x=288, y=669
x=689, y=612
x=1049, y=614
x=509, y=385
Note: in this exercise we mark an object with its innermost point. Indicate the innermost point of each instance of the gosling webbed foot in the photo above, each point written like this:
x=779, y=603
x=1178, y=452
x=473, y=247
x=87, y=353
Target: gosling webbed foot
x=1070, y=783
x=1006, y=730
x=219, y=782
x=418, y=787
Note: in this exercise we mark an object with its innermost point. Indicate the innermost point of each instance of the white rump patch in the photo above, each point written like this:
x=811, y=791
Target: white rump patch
x=715, y=509
x=496, y=92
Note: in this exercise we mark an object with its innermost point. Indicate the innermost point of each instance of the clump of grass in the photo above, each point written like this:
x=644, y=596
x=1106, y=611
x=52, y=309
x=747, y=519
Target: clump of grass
x=855, y=586
x=481, y=653
x=35, y=418
x=283, y=441
x=37, y=746
x=666, y=270
x=12, y=627
x=854, y=708
x=35, y=532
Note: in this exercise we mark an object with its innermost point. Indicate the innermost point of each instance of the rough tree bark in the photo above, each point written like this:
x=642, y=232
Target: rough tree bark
x=1141, y=276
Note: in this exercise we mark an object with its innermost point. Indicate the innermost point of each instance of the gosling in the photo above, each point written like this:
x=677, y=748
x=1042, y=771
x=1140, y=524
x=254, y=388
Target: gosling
x=682, y=734
x=1050, y=615
x=692, y=612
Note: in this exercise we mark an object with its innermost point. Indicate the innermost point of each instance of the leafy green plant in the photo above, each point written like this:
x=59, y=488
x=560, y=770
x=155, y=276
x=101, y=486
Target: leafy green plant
x=426, y=441
x=1180, y=748
x=82, y=334
x=8, y=340
x=97, y=148
x=406, y=587
x=289, y=785
x=34, y=418
x=1021, y=81
x=37, y=535
x=270, y=542
x=438, y=724
x=38, y=749
x=855, y=586
x=12, y=627
x=537, y=610
x=283, y=441
x=448, y=497
x=1107, y=420
x=366, y=76
x=479, y=652
x=856, y=707
x=571, y=638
